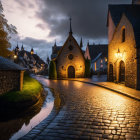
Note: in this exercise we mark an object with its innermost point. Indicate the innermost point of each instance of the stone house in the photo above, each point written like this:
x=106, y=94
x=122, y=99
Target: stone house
x=11, y=76
x=70, y=62
x=98, y=54
x=29, y=60
x=99, y=64
x=124, y=44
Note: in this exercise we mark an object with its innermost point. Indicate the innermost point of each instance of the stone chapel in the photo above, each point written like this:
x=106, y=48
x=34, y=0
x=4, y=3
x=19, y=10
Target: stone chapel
x=70, y=62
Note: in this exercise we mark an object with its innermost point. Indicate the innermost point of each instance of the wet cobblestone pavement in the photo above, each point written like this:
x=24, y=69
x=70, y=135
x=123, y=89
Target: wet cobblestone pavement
x=89, y=112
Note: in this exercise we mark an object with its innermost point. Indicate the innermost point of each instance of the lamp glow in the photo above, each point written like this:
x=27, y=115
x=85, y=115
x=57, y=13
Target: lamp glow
x=118, y=54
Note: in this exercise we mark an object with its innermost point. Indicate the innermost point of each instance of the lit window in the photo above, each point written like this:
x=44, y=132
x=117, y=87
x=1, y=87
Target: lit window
x=101, y=61
x=101, y=65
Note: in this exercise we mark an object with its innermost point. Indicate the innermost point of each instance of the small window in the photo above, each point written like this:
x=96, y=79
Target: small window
x=123, y=35
x=70, y=56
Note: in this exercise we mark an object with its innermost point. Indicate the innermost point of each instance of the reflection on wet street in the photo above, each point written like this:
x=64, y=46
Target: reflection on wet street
x=16, y=128
x=91, y=112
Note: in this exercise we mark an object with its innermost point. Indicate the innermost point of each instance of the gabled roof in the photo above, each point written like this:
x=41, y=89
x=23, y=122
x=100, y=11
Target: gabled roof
x=70, y=36
x=132, y=12
x=94, y=50
x=35, y=56
x=98, y=56
x=6, y=64
x=38, y=59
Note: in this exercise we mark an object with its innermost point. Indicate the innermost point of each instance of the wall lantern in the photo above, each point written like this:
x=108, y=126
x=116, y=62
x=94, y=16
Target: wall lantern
x=118, y=54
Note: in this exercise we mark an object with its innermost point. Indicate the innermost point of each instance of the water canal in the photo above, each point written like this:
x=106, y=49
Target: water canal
x=13, y=129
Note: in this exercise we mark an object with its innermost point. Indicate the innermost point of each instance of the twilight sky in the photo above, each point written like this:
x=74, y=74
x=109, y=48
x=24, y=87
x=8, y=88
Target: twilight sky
x=40, y=22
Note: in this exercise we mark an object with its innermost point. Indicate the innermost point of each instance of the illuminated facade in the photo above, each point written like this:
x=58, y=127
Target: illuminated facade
x=29, y=60
x=123, y=51
x=70, y=62
x=97, y=54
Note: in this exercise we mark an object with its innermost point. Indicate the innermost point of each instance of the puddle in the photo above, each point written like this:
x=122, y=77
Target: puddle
x=16, y=128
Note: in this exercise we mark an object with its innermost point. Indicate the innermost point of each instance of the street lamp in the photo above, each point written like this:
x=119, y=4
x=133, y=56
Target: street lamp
x=118, y=54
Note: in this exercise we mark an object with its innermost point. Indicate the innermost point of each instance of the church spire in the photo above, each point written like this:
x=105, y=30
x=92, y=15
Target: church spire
x=55, y=43
x=81, y=43
x=22, y=48
x=17, y=48
x=70, y=27
x=88, y=43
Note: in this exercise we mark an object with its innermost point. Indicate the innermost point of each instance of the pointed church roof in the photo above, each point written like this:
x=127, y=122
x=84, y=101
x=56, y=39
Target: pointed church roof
x=17, y=46
x=55, y=43
x=69, y=37
x=131, y=12
x=94, y=50
x=32, y=49
x=81, y=43
x=22, y=48
x=70, y=27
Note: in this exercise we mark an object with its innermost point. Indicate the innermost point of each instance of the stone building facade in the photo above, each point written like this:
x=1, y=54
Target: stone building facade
x=11, y=76
x=29, y=60
x=98, y=55
x=124, y=45
x=70, y=62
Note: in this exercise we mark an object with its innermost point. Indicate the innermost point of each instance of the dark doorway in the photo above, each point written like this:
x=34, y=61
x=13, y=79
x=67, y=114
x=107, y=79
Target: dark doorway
x=111, y=79
x=122, y=72
x=71, y=72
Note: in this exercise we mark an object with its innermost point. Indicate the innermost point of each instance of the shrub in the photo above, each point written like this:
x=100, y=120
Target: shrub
x=87, y=68
x=52, y=70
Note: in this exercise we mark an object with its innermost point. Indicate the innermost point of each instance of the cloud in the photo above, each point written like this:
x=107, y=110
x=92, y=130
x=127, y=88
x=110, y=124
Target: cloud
x=88, y=16
x=40, y=22
x=41, y=47
x=41, y=26
x=25, y=3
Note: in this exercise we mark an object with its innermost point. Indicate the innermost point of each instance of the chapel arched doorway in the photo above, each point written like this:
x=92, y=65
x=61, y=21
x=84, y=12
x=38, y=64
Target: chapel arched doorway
x=71, y=72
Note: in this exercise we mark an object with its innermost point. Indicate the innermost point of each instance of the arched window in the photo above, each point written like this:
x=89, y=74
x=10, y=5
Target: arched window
x=123, y=35
x=122, y=72
x=111, y=79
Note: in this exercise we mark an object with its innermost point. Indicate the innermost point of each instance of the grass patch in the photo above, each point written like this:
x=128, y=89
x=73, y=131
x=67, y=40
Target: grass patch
x=31, y=90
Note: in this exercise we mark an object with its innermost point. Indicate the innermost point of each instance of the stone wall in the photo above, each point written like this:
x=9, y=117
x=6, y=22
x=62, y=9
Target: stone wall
x=9, y=80
x=78, y=61
x=128, y=51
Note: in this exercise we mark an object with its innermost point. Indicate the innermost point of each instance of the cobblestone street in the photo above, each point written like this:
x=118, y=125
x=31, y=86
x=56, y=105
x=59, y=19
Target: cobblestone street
x=89, y=112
